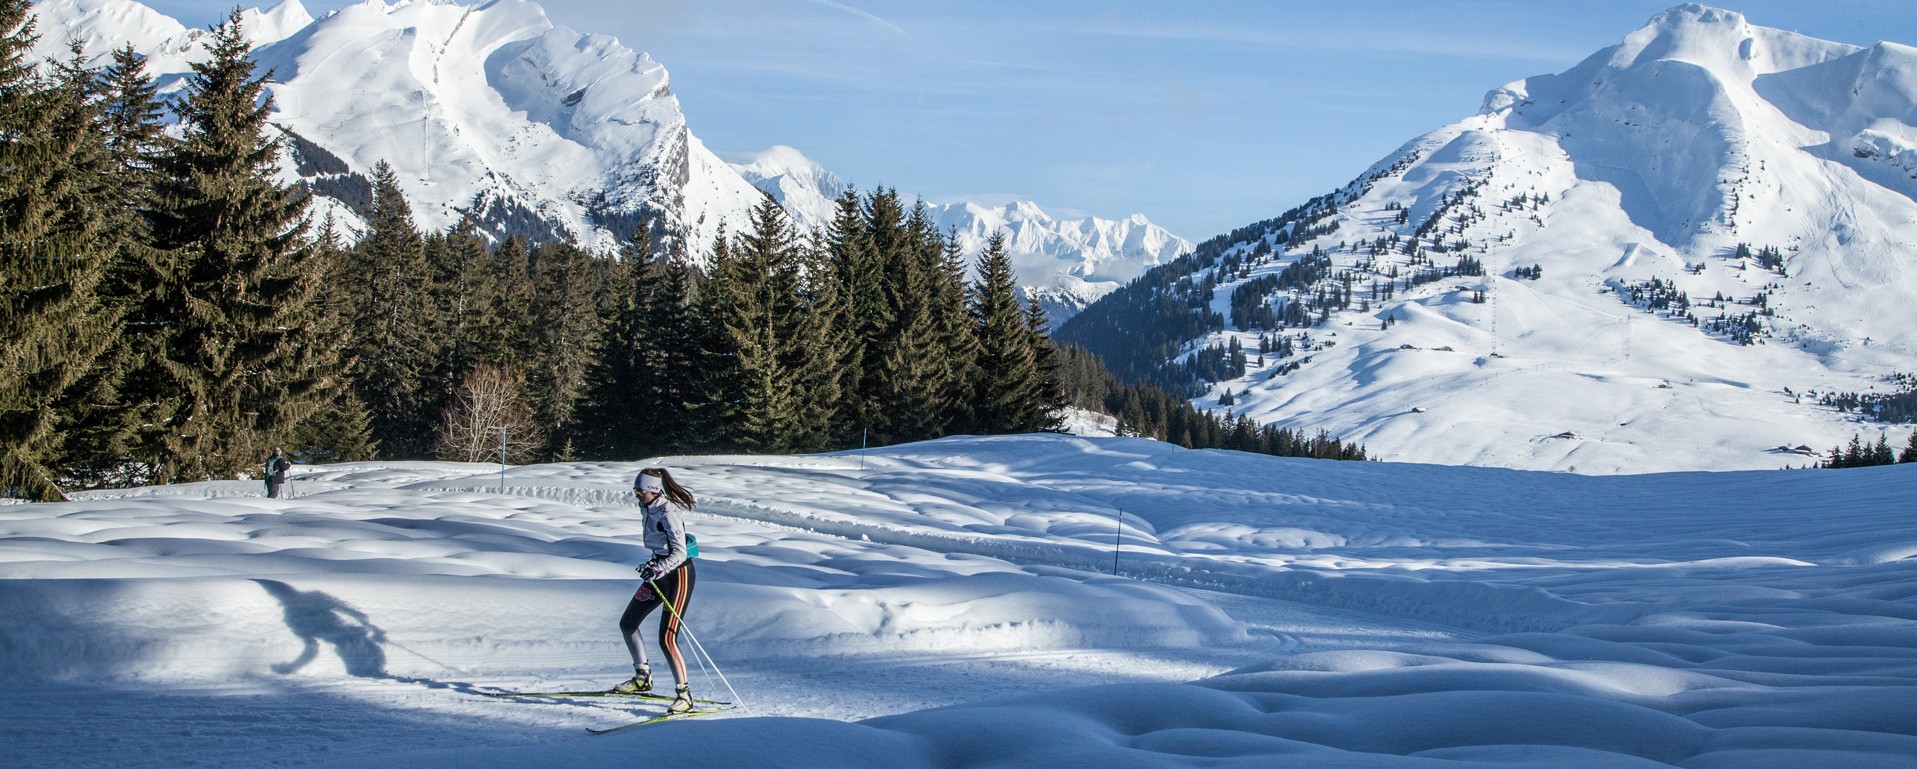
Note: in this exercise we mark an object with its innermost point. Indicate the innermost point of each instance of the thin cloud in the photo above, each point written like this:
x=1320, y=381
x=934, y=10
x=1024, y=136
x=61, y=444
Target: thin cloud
x=866, y=15
x=1343, y=39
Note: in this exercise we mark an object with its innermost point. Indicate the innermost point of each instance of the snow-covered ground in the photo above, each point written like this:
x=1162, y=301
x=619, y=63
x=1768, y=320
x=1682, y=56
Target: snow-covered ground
x=952, y=604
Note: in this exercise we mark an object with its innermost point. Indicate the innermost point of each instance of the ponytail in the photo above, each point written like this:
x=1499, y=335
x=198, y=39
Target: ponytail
x=675, y=492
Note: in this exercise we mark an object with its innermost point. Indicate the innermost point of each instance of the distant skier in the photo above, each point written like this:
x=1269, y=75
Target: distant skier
x=668, y=580
x=276, y=467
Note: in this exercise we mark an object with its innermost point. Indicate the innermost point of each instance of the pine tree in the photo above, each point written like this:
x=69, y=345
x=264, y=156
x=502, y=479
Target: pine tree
x=565, y=335
x=1045, y=396
x=54, y=252
x=1910, y=449
x=855, y=271
x=95, y=428
x=874, y=303
x=240, y=370
x=607, y=422
x=394, y=347
x=342, y=430
x=466, y=302
x=673, y=357
x=952, y=316
x=511, y=268
x=1881, y=454
x=642, y=387
x=142, y=275
x=824, y=347
x=1006, y=368
x=753, y=300
x=914, y=374
x=110, y=407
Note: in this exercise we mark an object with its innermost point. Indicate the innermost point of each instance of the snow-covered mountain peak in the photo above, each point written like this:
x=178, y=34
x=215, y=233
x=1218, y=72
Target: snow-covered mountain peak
x=1022, y=210
x=806, y=189
x=104, y=25
x=1643, y=262
x=275, y=24
x=1722, y=41
x=487, y=108
x=781, y=160
x=1690, y=33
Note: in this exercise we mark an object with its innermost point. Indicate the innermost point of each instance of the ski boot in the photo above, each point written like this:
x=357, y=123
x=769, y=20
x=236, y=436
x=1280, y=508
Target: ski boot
x=641, y=682
x=683, y=702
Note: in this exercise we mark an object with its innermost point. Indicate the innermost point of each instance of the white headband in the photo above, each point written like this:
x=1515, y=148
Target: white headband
x=651, y=483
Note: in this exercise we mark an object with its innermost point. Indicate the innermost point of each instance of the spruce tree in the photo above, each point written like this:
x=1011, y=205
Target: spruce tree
x=565, y=335
x=1910, y=449
x=875, y=301
x=143, y=272
x=240, y=370
x=1006, y=368
x=512, y=298
x=1044, y=395
x=394, y=346
x=54, y=252
x=607, y=422
x=753, y=302
x=824, y=348
x=645, y=392
x=855, y=270
x=913, y=374
x=952, y=316
x=465, y=301
x=671, y=357
x=95, y=427
x=1881, y=454
x=342, y=430
x=113, y=405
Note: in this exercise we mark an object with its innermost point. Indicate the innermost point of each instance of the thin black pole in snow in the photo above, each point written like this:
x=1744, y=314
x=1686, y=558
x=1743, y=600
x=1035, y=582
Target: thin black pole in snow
x=1118, y=530
x=862, y=433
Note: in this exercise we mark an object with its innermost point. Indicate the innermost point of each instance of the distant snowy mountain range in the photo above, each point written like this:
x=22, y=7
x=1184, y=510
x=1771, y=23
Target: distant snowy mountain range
x=1064, y=263
x=1616, y=325
x=544, y=132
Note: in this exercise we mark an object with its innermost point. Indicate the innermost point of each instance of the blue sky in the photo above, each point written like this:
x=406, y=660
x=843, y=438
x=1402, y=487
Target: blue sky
x=1204, y=116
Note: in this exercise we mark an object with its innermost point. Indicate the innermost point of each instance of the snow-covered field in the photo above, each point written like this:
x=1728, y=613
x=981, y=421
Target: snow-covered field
x=951, y=604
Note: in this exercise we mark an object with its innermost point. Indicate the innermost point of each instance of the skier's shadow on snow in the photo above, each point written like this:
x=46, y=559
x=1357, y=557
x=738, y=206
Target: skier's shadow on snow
x=315, y=616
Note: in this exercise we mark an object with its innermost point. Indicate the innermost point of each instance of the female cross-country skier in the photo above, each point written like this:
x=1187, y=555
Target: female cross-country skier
x=668, y=580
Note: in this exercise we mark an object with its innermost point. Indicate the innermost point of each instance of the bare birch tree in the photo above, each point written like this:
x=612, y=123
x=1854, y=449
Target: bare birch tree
x=489, y=400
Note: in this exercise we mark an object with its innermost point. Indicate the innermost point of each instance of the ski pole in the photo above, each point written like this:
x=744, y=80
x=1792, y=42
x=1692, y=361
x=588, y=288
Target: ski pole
x=704, y=657
x=695, y=643
x=699, y=648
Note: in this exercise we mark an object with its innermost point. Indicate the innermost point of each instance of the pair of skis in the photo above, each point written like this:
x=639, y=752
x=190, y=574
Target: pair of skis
x=700, y=707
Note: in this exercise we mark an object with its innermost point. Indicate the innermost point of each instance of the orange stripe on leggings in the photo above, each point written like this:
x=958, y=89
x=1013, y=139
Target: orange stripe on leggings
x=671, y=636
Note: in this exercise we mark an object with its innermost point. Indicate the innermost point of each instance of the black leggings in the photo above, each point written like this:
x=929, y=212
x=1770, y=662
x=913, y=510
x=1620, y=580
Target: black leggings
x=677, y=588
